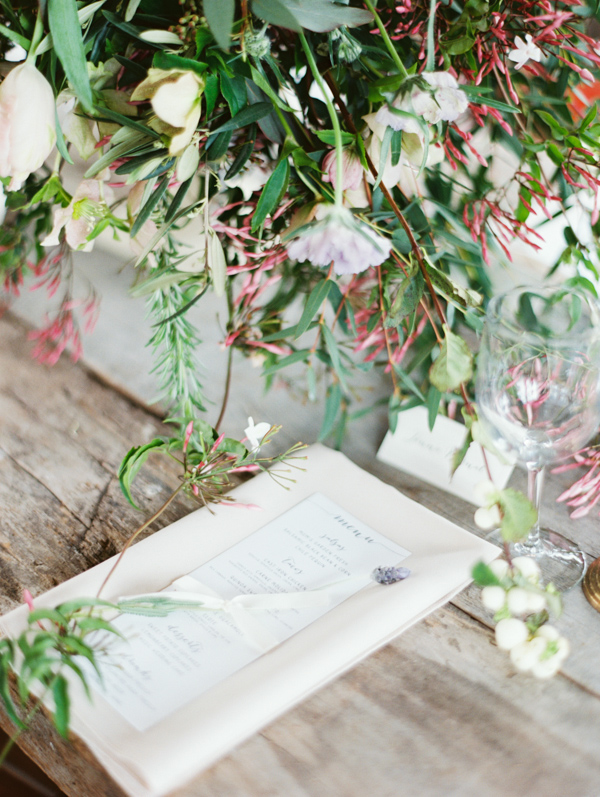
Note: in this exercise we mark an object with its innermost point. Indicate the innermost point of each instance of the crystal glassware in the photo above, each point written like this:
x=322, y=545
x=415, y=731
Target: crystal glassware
x=538, y=393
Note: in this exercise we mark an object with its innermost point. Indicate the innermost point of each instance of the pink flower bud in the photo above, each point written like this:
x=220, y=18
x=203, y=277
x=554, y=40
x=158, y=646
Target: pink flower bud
x=351, y=166
x=27, y=123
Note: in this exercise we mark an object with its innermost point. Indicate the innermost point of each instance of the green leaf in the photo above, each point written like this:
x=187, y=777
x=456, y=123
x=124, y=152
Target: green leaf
x=276, y=13
x=15, y=37
x=124, y=121
x=433, y=405
x=401, y=241
x=317, y=296
x=133, y=461
x=68, y=44
x=252, y=113
x=301, y=354
x=333, y=403
x=558, y=131
x=270, y=197
x=328, y=137
x=334, y=352
x=60, y=692
x=9, y=706
x=219, y=15
x=396, y=147
x=460, y=453
x=48, y=614
x=165, y=61
x=484, y=576
x=518, y=515
x=152, y=202
x=454, y=363
x=407, y=298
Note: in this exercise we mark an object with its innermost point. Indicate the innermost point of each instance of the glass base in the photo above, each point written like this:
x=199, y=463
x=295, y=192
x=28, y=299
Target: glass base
x=561, y=561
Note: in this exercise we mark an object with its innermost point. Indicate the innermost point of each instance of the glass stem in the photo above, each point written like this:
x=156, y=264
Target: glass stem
x=535, y=483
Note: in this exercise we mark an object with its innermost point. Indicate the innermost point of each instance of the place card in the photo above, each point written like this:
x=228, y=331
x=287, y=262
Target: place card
x=427, y=454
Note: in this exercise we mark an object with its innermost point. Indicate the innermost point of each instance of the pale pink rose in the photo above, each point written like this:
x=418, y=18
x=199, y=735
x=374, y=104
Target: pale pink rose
x=340, y=239
x=352, y=170
x=27, y=123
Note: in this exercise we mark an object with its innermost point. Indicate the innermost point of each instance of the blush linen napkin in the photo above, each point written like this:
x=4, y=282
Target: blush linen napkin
x=164, y=757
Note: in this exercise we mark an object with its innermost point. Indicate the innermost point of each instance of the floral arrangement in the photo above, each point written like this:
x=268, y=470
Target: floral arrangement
x=351, y=171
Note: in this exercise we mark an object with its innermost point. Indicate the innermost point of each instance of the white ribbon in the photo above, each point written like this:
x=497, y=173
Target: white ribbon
x=189, y=590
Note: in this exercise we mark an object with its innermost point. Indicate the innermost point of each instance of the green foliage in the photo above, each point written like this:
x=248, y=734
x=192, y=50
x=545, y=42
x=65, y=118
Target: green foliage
x=518, y=515
x=453, y=365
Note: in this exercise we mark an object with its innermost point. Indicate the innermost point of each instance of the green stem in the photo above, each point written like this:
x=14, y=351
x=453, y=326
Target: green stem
x=145, y=525
x=431, y=37
x=337, y=130
x=388, y=42
x=38, y=32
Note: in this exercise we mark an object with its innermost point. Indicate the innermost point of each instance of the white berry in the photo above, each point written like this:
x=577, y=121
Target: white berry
x=536, y=602
x=518, y=601
x=526, y=655
x=493, y=598
x=499, y=567
x=528, y=568
x=510, y=632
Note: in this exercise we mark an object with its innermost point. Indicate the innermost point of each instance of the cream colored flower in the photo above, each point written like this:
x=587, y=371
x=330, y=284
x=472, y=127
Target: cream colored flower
x=176, y=97
x=27, y=123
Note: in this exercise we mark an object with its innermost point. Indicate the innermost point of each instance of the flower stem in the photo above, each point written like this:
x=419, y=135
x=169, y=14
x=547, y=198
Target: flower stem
x=337, y=130
x=38, y=32
x=136, y=533
x=430, y=66
x=388, y=42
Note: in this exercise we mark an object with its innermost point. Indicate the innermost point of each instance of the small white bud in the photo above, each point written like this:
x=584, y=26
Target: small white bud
x=546, y=668
x=485, y=493
x=510, y=632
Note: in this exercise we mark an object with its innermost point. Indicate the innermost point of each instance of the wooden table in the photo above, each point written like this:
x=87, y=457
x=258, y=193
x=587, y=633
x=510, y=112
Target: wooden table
x=439, y=711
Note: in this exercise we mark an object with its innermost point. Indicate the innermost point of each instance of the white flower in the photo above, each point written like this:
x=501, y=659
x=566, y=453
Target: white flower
x=340, y=239
x=256, y=434
x=510, y=632
x=435, y=96
x=252, y=177
x=543, y=654
x=27, y=123
x=79, y=218
x=176, y=97
x=525, y=51
x=2, y=204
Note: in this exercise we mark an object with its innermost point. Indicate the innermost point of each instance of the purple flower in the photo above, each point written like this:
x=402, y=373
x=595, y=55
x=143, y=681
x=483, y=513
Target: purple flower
x=340, y=239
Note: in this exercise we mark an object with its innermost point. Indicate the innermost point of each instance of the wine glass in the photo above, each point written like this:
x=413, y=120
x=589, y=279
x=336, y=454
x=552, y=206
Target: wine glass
x=538, y=392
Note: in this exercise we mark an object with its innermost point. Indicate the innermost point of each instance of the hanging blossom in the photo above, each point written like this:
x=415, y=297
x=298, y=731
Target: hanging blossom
x=434, y=96
x=338, y=238
x=352, y=169
x=27, y=123
x=79, y=218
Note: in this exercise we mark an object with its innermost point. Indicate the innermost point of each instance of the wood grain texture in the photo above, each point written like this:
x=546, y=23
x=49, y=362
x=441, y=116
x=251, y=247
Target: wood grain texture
x=437, y=712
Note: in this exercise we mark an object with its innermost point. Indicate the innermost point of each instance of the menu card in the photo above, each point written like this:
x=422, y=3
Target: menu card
x=164, y=662
x=154, y=751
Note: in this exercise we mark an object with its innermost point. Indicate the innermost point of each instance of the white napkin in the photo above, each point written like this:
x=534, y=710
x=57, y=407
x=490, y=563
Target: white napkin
x=166, y=756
